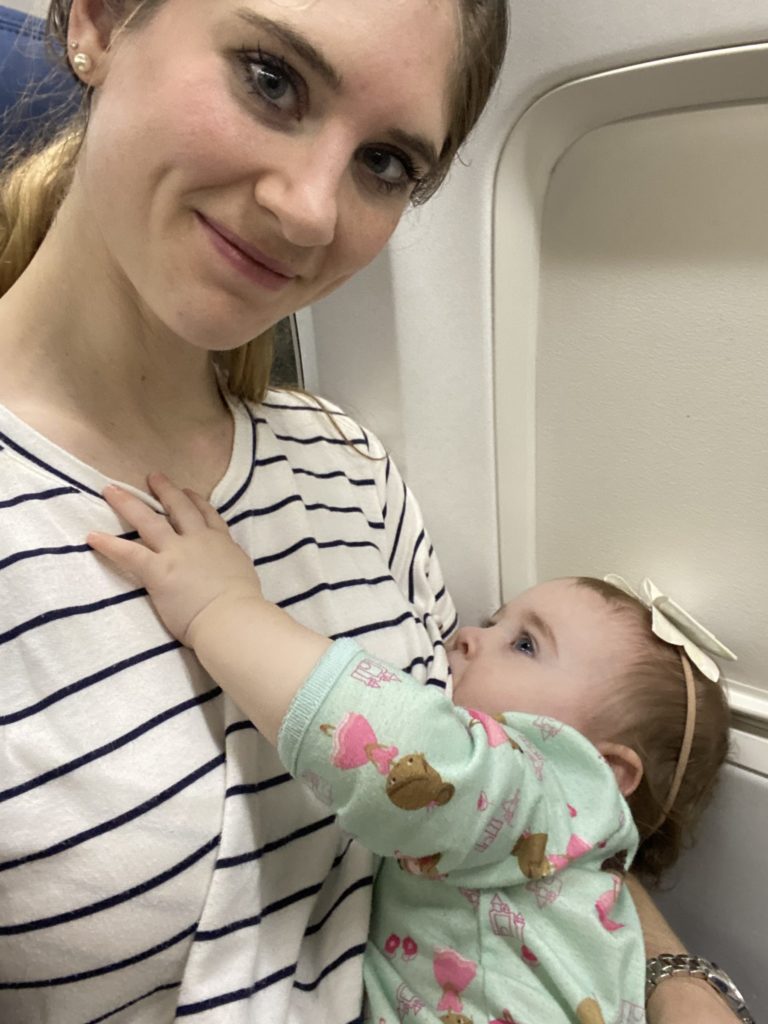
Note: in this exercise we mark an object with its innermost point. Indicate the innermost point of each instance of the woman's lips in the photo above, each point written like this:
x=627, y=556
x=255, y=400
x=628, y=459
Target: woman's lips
x=246, y=258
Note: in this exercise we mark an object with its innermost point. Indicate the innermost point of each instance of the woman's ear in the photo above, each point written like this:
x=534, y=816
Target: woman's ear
x=90, y=30
x=626, y=765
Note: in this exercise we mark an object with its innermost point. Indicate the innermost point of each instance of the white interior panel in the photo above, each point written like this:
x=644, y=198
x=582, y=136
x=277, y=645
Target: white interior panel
x=630, y=340
x=652, y=365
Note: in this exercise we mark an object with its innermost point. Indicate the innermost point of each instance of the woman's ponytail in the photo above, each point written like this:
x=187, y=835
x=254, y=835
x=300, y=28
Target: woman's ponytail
x=31, y=191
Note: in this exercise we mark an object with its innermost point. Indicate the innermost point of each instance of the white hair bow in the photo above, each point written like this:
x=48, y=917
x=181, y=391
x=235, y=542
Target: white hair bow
x=674, y=625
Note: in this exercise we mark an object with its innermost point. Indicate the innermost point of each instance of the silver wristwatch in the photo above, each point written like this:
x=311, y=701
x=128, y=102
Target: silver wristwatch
x=669, y=964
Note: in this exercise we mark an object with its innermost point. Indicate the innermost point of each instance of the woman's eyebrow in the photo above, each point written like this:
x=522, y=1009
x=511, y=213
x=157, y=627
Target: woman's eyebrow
x=296, y=42
x=422, y=147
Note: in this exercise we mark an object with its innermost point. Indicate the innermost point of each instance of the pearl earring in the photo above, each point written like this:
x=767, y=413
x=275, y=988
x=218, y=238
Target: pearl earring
x=74, y=44
x=82, y=63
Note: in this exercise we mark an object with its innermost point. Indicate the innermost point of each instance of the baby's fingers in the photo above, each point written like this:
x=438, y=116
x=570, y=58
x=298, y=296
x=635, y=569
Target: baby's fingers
x=125, y=554
x=207, y=511
x=153, y=528
x=184, y=514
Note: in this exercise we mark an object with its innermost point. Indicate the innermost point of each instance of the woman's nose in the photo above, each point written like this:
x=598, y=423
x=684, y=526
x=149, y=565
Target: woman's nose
x=303, y=192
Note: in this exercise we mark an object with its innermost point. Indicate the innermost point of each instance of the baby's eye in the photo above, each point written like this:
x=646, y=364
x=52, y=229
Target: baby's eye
x=525, y=644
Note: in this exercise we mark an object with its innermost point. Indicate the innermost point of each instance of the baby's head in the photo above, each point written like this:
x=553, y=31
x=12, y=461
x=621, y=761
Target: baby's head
x=582, y=651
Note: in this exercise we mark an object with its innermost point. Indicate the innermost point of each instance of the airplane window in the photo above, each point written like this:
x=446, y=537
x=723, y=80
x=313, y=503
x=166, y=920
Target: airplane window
x=286, y=368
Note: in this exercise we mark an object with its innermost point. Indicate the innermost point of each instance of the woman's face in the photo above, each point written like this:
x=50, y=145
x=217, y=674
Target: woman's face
x=246, y=157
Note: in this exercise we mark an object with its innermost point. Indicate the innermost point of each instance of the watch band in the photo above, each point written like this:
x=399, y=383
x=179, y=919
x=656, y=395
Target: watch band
x=668, y=964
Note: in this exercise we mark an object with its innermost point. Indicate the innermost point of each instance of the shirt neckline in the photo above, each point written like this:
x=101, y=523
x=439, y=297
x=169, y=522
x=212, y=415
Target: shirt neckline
x=27, y=444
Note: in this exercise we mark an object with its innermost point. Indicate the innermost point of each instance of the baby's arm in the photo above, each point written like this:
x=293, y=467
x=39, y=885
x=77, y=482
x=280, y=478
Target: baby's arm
x=207, y=593
x=389, y=753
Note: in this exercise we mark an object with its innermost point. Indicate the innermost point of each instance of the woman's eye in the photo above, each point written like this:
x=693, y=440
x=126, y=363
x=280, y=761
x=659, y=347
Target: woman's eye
x=393, y=171
x=273, y=81
x=525, y=644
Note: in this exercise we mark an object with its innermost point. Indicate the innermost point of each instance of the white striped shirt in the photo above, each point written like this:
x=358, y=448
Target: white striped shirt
x=156, y=860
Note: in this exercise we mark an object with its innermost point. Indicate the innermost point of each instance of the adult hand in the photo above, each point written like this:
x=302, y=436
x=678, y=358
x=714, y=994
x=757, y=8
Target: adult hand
x=187, y=561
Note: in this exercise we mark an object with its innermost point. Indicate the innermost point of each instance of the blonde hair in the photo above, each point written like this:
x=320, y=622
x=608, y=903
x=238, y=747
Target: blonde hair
x=648, y=713
x=33, y=186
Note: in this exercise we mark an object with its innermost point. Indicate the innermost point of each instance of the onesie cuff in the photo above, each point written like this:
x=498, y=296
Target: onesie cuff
x=304, y=706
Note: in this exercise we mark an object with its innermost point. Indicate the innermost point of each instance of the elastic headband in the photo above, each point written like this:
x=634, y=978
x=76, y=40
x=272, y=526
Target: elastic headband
x=685, y=746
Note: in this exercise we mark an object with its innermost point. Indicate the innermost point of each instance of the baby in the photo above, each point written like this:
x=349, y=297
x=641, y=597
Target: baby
x=582, y=725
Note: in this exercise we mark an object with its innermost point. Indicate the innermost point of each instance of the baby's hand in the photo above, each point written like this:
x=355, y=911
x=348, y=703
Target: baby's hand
x=188, y=560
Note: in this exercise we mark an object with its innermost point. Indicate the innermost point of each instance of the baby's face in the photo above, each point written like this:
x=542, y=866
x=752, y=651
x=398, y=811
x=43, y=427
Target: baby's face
x=552, y=651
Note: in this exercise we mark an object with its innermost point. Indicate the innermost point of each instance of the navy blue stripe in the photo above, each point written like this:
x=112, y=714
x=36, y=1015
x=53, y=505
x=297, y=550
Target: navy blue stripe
x=241, y=726
x=347, y=442
x=65, y=613
x=387, y=470
x=361, y=883
x=321, y=506
x=305, y=408
x=121, y=819
x=250, y=922
x=189, y=1009
x=270, y=460
x=251, y=788
x=339, y=585
x=445, y=633
x=333, y=475
x=38, y=496
x=374, y=626
x=97, y=972
x=412, y=568
x=295, y=897
x=440, y=594
x=108, y=748
x=399, y=529
x=349, y=954
x=439, y=684
x=340, y=856
x=321, y=545
x=252, y=513
x=247, y=482
x=117, y=898
x=426, y=662
x=133, y=1002
x=65, y=549
x=276, y=844
x=82, y=684
x=44, y=465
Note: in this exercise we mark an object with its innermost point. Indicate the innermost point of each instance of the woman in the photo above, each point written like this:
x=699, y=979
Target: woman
x=241, y=159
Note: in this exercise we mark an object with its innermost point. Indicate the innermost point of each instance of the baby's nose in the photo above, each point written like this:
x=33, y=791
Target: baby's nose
x=468, y=640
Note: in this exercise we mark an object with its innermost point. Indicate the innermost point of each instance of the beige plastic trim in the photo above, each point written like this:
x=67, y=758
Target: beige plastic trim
x=548, y=128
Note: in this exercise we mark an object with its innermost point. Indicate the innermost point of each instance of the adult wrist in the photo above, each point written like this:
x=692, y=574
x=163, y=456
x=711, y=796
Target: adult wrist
x=705, y=983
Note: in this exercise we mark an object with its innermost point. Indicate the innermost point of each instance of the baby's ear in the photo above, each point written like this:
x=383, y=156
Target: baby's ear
x=626, y=765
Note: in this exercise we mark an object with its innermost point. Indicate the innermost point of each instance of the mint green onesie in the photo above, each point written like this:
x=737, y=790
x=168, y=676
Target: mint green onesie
x=500, y=898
